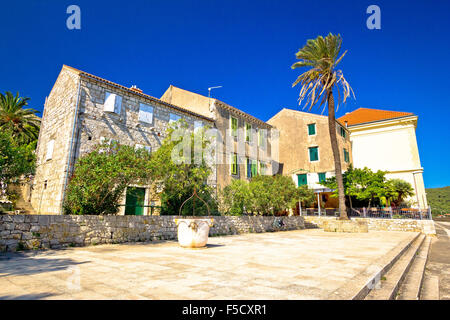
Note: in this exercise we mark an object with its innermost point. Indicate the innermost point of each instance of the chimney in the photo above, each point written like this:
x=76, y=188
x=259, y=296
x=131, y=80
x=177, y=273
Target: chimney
x=346, y=123
x=135, y=88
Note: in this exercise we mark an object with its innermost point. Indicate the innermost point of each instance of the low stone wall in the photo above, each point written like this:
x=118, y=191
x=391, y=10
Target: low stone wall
x=18, y=232
x=374, y=224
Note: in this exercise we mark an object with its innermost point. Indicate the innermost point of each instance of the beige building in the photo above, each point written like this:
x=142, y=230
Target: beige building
x=244, y=142
x=386, y=140
x=305, y=151
x=83, y=110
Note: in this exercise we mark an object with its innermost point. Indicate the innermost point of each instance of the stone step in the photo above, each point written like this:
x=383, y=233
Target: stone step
x=412, y=285
x=387, y=287
x=360, y=286
x=430, y=289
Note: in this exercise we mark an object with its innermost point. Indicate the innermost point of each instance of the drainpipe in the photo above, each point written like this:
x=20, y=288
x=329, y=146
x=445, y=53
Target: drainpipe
x=75, y=118
x=318, y=201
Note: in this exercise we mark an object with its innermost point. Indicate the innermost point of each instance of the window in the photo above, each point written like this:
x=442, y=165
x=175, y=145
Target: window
x=343, y=132
x=233, y=126
x=314, y=154
x=346, y=156
x=50, y=146
x=262, y=168
x=173, y=118
x=311, y=129
x=113, y=103
x=322, y=177
x=302, y=179
x=234, y=164
x=252, y=169
x=145, y=113
x=248, y=132
x=262, y=137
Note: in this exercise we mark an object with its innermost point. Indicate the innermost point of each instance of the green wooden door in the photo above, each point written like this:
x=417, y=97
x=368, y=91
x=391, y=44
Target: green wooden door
x=134, y=204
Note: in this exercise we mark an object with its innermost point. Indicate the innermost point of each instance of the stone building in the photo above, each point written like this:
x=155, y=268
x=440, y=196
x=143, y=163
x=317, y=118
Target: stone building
x=83, y=110
x=386, y=140
x=305, y=150
x=246, y=141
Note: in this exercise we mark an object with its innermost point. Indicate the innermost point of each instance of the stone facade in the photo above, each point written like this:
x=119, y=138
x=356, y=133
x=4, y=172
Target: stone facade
x=57, y=231
x=374, y=224
x=295, y=141
x=222, y=114
x=75, y=121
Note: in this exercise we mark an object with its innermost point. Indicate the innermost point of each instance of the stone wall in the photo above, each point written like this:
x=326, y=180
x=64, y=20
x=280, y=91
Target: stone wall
x=18, y=232
x=424, y=226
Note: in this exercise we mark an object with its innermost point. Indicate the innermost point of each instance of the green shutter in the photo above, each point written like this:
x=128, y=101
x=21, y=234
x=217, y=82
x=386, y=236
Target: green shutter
x=322, y=176
x=346, y=156
x=248, y=132
x=302, y=179
x=311, y=129
x=234, y=166
x=234, y=126
x=313, y=153
x=254, y=168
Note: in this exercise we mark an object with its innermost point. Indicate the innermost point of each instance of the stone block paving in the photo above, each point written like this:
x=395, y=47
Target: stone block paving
x=303, y=264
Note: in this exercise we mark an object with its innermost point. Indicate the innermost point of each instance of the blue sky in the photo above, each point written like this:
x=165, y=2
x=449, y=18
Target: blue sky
x=245, y=46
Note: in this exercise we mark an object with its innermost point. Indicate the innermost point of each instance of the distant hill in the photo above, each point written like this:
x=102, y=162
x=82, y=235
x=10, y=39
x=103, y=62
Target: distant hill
x=439, y=200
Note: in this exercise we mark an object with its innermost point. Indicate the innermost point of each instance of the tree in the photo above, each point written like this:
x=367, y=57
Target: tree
x=235, y=198
x=399, y=190
x=321, y=56
x=306, y=195
x=16, y=161
x=21, y=122
x=178, y=178
x=101, y=177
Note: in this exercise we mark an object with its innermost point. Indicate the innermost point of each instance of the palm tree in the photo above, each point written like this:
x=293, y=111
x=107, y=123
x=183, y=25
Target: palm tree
x=22, y=123
x=321, y=56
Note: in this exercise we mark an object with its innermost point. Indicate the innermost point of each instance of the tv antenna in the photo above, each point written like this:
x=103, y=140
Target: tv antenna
x=209, y=90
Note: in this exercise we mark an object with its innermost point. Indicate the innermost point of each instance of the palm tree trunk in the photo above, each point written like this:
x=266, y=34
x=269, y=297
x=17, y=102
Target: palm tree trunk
x=336, y=155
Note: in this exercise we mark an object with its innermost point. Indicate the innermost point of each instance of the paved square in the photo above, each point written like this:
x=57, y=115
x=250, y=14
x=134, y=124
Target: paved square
x=303, y=264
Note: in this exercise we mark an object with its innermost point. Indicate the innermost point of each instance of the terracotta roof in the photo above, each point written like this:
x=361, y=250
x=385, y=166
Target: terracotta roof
x=139, y=93
x=365, y=115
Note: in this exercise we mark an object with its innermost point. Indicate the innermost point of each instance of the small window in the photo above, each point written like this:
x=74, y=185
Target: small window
x=314, y=154
x=113, y=103
x=248, y=132
x=343, y=132
x=233, y=126
x=252, y=169
x=262, y=137
x=302, y=179
x=322, y=177
x=50, y=147
x=346, y=155
x=145, y=113
x=174, y=118
x=311, y=129
x=234, y=164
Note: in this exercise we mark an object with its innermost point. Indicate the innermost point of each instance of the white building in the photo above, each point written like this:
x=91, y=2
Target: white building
x=386, y=140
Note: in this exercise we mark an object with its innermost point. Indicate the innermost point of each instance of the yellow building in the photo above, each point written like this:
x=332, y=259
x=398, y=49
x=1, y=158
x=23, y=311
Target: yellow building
x=386, y=140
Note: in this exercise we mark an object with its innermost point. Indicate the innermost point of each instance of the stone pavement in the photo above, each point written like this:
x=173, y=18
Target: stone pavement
x=303, y=264
x=439, y=259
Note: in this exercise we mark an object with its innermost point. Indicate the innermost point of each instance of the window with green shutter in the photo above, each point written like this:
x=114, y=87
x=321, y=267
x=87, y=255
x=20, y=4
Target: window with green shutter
x=234, y=126
x=262, y=138
x=343, y=133
x=314, y=154
x=248, y=132
x=311, y=129
x=346, y=156
x=234, y=164
x=252, y=169
x=302, y=179
x=322, y=176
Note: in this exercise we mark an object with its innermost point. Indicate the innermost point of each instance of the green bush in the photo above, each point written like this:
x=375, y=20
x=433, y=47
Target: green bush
x=263, y=195
x=101, y=176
